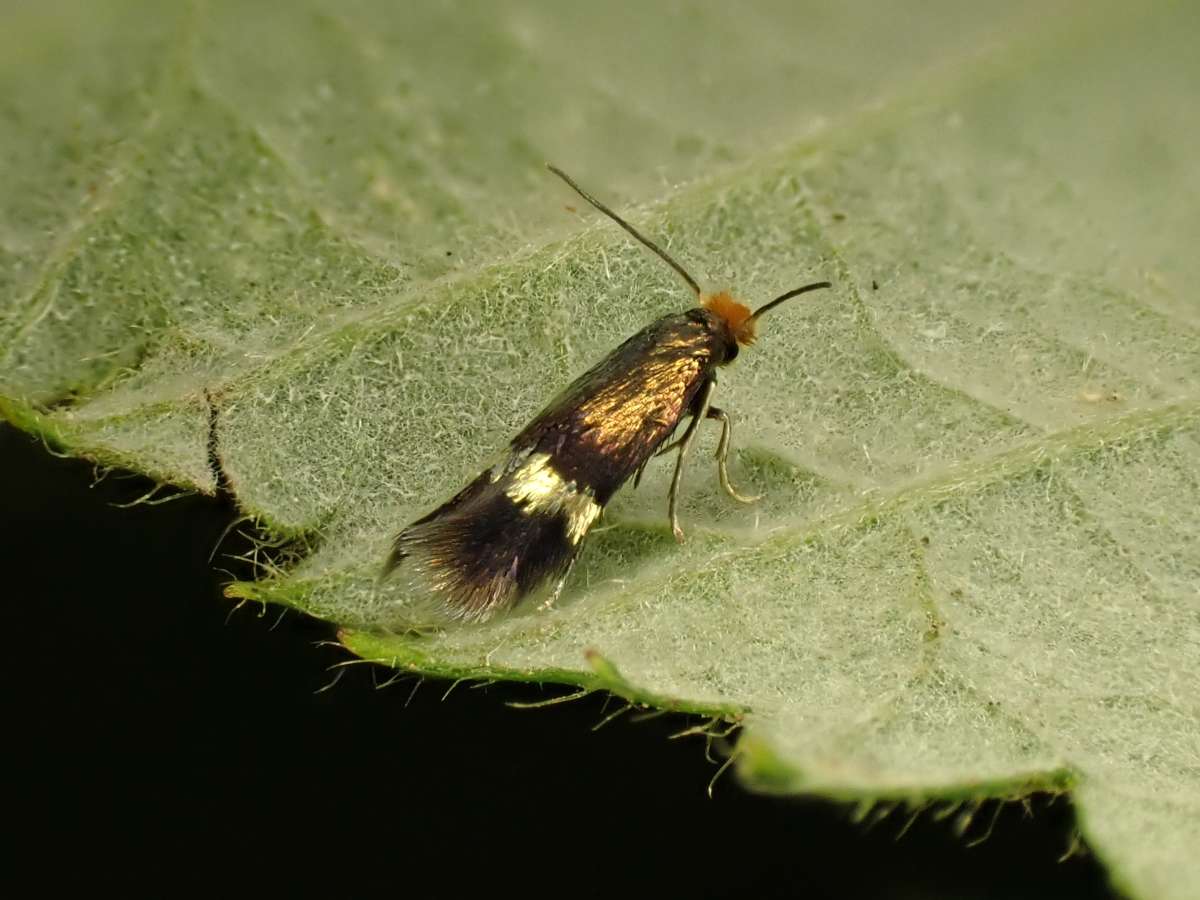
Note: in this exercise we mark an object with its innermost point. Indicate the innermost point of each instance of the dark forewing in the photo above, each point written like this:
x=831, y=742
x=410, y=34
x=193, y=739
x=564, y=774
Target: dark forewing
x=519, y=526
x=514, y=530
x=611, y=420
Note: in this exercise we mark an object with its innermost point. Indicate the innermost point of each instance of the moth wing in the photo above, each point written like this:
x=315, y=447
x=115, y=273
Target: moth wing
x=506, y=536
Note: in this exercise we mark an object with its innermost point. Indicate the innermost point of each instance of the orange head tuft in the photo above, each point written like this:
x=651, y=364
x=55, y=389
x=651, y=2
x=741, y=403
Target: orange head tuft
x=736, y=316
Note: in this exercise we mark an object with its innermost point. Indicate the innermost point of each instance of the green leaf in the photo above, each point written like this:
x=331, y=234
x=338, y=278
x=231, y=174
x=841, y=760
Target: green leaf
x=329, y=237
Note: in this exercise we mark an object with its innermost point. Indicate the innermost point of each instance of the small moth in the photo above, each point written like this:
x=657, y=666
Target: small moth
x=517, y=529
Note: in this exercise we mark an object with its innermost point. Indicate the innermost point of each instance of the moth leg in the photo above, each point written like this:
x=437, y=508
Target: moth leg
x=549, y=602
x=723, y=455
x=671, y=446
x=684, y=443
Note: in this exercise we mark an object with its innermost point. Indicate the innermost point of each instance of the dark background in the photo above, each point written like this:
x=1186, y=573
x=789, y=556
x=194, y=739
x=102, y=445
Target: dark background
x=162, y=738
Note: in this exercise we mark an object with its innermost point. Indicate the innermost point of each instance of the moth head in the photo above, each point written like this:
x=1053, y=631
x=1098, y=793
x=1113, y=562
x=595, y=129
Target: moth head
x=743, y=324
x=736, y=316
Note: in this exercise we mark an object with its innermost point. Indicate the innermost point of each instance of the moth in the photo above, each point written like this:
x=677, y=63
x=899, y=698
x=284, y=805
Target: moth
x=517, y=529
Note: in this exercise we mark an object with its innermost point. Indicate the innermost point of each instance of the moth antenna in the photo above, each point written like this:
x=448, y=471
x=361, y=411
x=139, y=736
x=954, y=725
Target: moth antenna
x=643, y=240
x=815, y=286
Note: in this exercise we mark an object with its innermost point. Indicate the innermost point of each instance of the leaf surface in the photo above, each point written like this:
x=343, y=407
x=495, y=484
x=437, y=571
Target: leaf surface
x=329, y=237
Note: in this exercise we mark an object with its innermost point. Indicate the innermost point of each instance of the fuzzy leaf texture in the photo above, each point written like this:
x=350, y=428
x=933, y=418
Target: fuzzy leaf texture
x=976, y=569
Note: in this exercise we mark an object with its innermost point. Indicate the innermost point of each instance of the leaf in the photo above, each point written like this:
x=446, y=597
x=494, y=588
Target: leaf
x=328, y=237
